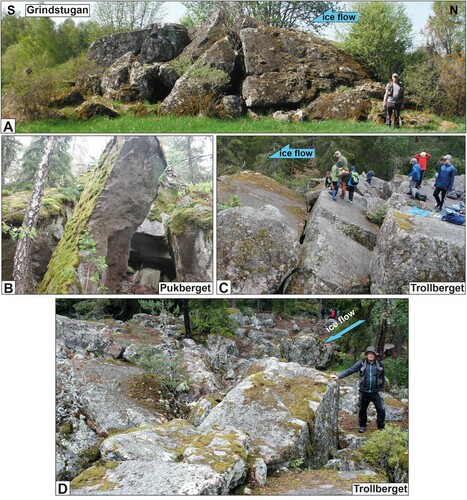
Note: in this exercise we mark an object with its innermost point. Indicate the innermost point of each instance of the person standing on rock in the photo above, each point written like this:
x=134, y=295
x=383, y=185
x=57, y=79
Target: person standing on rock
x=415, y=177
x=351, y=183
x=444, y=182
x=392, y=100
x=343, y=168
x=371, y=375
x=422, y=160
x=335, y=173
x=370, y=174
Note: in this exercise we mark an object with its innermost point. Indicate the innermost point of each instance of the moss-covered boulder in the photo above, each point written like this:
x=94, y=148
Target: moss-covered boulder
x=169, y=459
x=92, y=255
x=416, y=249
x=289, y=411
x=190, y=241
x=55, y=210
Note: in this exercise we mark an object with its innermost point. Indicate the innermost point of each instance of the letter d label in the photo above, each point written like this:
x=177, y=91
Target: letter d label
x=62, y=488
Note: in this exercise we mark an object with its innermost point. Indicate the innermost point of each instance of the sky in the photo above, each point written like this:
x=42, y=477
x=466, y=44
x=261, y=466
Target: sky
x=418, y=12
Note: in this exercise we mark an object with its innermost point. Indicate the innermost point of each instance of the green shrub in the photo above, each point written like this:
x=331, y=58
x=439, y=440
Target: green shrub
x=386, y=451
x=377, y=216
x=211, y=317
x=232, y=202
x=166, y=366
x=397, y=371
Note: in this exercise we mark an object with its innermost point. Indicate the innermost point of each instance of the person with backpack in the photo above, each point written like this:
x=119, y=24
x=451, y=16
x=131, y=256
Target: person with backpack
x=353, y=182
x=422, y=160
x=444, y=182
x=370, y=174
x=414, y=177
x=335, y=173
x=393, y=99
x=371, y=376
x=343, y=165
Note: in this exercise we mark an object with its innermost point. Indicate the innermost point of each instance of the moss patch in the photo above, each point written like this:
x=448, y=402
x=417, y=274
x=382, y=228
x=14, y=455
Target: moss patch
x=61, y=271
x=95, y=476
x=296, y=394
x=53, y=205
x=404, y=221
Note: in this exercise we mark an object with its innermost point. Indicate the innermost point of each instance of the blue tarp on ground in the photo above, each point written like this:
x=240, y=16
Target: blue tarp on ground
x=419, y=211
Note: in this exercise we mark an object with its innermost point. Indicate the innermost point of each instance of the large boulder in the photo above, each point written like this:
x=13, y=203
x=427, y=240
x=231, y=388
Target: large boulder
x=114, y=203
x=336, y=252
x=307, y=350
x=257, y=248
x=344, y=105
x=54, y=213
x=205, y=82
x=289, y=411
x=107, y=49
x=170, y=459
x=412, y=248
x=164, y=43
x=117, y=75
x=288, y=67
x=92, y=109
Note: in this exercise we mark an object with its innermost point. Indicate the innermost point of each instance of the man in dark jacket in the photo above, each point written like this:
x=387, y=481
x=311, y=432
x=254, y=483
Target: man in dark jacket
x=415, y=177
x=444, y=181
x=371, y=374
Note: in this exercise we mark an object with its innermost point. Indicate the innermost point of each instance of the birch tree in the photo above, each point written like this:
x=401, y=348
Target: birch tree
x=22, y=261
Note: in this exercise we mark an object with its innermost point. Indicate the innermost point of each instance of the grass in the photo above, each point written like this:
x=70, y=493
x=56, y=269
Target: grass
x=129, y=123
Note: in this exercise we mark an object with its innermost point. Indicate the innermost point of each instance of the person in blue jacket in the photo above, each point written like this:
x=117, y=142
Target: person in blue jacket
x=415, y=176
x=350, y=184
x=371, y=375
x=444, y=181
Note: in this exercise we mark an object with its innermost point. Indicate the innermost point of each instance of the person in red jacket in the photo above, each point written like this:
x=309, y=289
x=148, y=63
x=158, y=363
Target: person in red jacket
x=422, y=160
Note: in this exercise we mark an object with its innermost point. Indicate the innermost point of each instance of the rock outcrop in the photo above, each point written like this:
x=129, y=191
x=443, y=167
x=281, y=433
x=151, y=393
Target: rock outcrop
x=54, y=213
x=116, y=200
x=412, y=249
x=251, y=251
x=343, y=248
x=254, y=66
x=289, y=411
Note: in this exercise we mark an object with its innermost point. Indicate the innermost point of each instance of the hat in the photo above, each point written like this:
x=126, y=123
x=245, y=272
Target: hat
x=447, y=157
x=337, y=153
x=423, y=154
x=413, y=160
x=395, y=74
x=371, y=349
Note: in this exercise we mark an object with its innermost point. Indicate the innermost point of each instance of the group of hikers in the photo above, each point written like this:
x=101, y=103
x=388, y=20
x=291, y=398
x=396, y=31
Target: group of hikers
x=444, y=181
x=342, y=176
x=330, y=313
x=347, y=178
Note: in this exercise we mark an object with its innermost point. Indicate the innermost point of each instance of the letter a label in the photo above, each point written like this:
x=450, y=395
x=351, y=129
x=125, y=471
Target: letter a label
x=8, y=126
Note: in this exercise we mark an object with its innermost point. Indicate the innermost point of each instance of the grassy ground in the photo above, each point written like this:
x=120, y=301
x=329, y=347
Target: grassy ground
x=129, y=123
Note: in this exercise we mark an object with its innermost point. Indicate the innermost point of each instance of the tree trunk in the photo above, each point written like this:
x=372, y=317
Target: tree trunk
x=186, y=318
x=381, y=337
x=22, y=261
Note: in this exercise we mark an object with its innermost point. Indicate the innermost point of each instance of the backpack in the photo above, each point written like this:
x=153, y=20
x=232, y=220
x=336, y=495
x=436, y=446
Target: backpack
x=391, y=90
x=454, y=218
x=420, y=196
x=355, y=178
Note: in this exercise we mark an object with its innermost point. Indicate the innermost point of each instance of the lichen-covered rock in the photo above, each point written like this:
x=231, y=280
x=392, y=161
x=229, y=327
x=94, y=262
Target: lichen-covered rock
x=250, y=248
x=164, y=43
x=205, y=81
x=307, y=350
x=345, y=105
x=416, y=249
x=86, y=338
x=68, y=98
x=289, y=411
x=336, y=252
x=206, y=36
x=190, y=239
x=231, y=106
x=91, y=109
x=289, y=67
x=117, y=75
x=89, y=84
x=115, y=201
x=107, y=49
x=170, y=459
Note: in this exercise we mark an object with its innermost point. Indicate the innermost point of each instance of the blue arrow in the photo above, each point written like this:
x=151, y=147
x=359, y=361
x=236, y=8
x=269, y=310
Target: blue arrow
x=336, y=17
x=288, y=152
x=340, y=334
